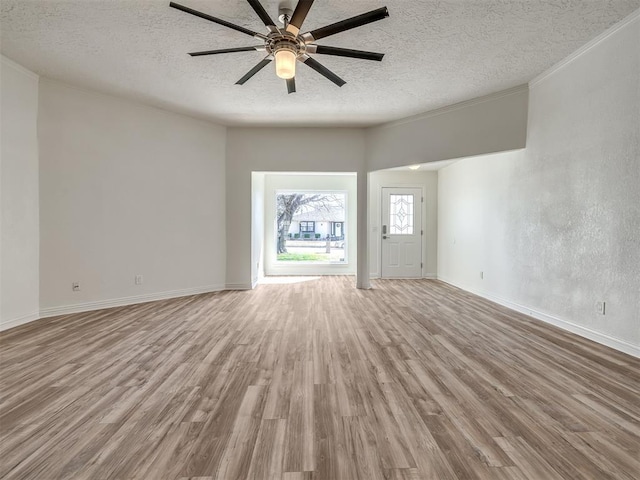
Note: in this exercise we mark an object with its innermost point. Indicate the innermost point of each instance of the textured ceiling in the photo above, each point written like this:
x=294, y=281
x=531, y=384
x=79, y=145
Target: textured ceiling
x=438, y=52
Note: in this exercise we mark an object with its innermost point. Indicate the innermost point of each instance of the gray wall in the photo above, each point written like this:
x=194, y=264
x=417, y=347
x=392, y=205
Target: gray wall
x=126, y=189
x=556, y=228
x=494, y=123
x=19, y=221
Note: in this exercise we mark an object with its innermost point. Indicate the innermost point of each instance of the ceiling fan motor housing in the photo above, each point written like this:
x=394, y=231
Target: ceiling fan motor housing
x=284, y=42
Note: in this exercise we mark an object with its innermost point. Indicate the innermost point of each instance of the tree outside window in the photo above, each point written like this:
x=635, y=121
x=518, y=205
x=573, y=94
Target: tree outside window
x=306, y=226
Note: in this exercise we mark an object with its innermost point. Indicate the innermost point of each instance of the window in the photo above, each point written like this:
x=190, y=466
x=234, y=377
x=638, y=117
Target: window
x=401, y=213
x=307, y=227
x=310, y=226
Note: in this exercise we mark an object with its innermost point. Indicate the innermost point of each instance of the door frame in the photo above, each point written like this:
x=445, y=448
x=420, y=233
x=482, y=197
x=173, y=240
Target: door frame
x=423, y=221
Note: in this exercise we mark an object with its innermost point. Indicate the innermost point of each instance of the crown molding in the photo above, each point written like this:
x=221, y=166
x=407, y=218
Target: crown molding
x=453, y=107
x=628, y=20
x=131, y=102
x=6, y=61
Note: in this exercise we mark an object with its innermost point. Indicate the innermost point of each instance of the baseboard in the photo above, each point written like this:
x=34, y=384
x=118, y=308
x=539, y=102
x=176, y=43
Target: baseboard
x=21, y=320
x=239, y=286
x=430, y=276
x=120, y=302
x=598, y=337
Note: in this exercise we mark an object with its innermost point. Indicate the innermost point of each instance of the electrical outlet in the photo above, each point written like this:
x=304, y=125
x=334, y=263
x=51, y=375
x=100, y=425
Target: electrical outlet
x=75, y=286
x=139, y=280
x=601, y=307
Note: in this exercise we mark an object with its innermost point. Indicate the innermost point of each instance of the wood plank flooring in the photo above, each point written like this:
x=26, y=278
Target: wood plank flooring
x=315, y=380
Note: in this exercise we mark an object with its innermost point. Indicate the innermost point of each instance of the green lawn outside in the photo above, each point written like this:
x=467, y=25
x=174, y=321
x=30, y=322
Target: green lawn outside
x=303, y=257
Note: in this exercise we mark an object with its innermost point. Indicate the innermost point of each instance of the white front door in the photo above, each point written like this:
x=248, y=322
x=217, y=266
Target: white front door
x=401, y=233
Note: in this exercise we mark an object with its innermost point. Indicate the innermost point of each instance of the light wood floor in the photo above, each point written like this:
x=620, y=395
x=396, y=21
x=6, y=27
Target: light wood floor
x=316, y=380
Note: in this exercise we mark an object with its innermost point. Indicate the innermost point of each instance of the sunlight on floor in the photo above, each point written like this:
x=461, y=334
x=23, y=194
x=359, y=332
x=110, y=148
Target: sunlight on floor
x=285, y=280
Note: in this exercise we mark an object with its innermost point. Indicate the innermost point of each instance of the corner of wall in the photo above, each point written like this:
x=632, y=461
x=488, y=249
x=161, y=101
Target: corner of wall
x=19, y=189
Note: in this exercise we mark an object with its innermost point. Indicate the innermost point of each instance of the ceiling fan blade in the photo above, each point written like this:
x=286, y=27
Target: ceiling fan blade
x=291, y=85
x=344, y=52
x=299, y=14
x=263, y=63
x=262, y=13
x=348, y=24
x=322, y=70
x=226, y=50
x=216, y=20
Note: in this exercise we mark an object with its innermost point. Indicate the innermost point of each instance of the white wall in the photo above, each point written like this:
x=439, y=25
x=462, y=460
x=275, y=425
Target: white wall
x=19, y=250
x=257, y=227
x=281, y=150
x=125, y=190
x=343, y=183
x=428, y=181
x=555, y=228
x=476, y=221
x=484, y=125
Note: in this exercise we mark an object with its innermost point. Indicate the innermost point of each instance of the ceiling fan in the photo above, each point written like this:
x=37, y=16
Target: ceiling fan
x=287, y=45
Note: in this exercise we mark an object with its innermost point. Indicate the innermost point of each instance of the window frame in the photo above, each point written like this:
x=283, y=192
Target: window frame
x=305, y=229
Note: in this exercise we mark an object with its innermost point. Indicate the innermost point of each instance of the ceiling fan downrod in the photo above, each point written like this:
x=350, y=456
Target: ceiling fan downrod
x=284, y=15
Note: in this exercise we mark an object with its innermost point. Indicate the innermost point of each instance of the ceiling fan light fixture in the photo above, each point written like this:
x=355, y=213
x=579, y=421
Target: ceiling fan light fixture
x=285, y=62
x=287, y=45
